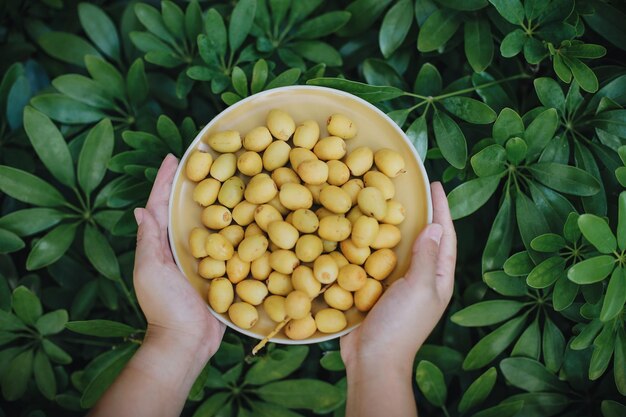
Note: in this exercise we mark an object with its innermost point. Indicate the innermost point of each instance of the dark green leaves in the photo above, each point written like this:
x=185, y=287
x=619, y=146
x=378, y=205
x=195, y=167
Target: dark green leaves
x=437, y=30
x=615, y=295
x=478, y=44
x=26, y=305
x=487, y=313
x=44, y=375
x=100, y=253
x=598, y=233
x=546, y=273
x=530, y=375
x=450, y=140
x=479, y=390
x=101, y=328
x=430, y=381
x=395, y=27
x=16, y=375
x=539, y=132
x=277, y=364
x=67, y=47
x=469, y=109
x=471, y=195
x=511, y=10
x=565, y=178
x=373, y=94
x=49, y=145
x=591, y=270
x=240, y=23
x=28, y=188
x=51, y=323
x=309, y=394
x=100, y=29
x=94, y=156
x=493, y=344
x=51, y=247
x=322, y=25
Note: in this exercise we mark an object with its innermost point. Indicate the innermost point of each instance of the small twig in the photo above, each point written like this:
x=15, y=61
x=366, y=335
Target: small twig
x=280, y=326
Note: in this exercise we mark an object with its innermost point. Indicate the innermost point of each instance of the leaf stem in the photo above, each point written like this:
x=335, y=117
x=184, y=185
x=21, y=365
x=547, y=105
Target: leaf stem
x=445, y=410
x=131, y=300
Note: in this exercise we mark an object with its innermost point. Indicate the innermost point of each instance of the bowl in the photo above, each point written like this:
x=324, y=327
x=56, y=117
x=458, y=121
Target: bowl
x=375, y=130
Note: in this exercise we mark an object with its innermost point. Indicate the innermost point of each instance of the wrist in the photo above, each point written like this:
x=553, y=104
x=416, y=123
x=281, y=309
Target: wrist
x=363, y=362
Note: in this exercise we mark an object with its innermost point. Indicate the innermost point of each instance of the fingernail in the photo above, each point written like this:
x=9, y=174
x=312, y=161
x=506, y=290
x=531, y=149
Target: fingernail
x=138, y=212
x=434, y=231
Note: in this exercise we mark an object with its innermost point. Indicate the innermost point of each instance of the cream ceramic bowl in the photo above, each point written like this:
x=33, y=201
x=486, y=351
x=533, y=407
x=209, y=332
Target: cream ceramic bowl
x=375, y=130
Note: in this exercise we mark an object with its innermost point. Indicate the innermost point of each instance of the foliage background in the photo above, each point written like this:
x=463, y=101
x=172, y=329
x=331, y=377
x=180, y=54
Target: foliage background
x=517, y=106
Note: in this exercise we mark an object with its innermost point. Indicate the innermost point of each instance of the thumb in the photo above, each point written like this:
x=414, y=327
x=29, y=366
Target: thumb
x=423, y=270
x=148, y=237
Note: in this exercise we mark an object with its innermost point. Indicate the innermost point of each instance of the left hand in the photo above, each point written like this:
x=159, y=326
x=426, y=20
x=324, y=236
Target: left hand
x=175, y=312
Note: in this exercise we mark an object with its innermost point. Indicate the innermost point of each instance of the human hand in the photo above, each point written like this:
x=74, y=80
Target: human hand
x=176, y=314
x=410, y=308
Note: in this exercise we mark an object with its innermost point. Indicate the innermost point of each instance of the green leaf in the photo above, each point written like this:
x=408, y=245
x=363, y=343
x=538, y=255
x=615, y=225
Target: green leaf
x=619, y=362
x=565, y=291
x=540, y=403
x=285, y=78
x=469, y=109
x=99, y=29
x=539, y=133
x=500, y=237
x=193, y=21
x=364, y=13
x=304, y=393
x=259, y=76
x=15, y=378
x=608, y=21
x=137, y=82
x=491, y=345
x=513, y=43
x=51, y=323
x=549, y=242
x=546, y=273
x=216, y=32
x=240, y=82
x=153, y=21
x=65, y=109
x=478, y=44
x=418, y=135
x=565, y=178
x=331, y=361
x=508, y=124
x=603, y=347
x=84, y=89
x=553, y=345
x=505, y=284
x=571, y=231
x=95, y=155
x=101, y=328
x=395, y=27
x=323, y=25
x=511, y=10
x=519, y=264
x=428, y=81
x=450, y=140
x=55, y=353
x=591, y=270
x=430, y=381
x=240, y=23
x=486, y=313
x=44, y=375
x=26, y=305
x=612, y=409
x=597, y=231
x=613, y=121
x=534, y=50
x=170, y=134
x=489, y=161
x=212, y=405
x=109, y=366
x=277, y=364
x=589, y=332
x=510, y=409
x=561, y=69
x=371, y=93
x=437, y=30
x=318, y=52
x=621, y=221
x=530, y=375
x=615, y=295
x=100, y=253
x=106, y=75
x=471, y=195
x=583, y=75
x=10, y=242
x=67, y=47
x=51, y=247
x=479, y=390
x=173, y=18
x=550, y=93
x=529, y=343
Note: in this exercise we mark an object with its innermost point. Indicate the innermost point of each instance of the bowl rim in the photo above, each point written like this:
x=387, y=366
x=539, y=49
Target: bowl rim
x=200, y=135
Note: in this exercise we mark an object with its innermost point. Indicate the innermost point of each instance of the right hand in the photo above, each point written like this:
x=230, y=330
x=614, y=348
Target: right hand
x=409, y=309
